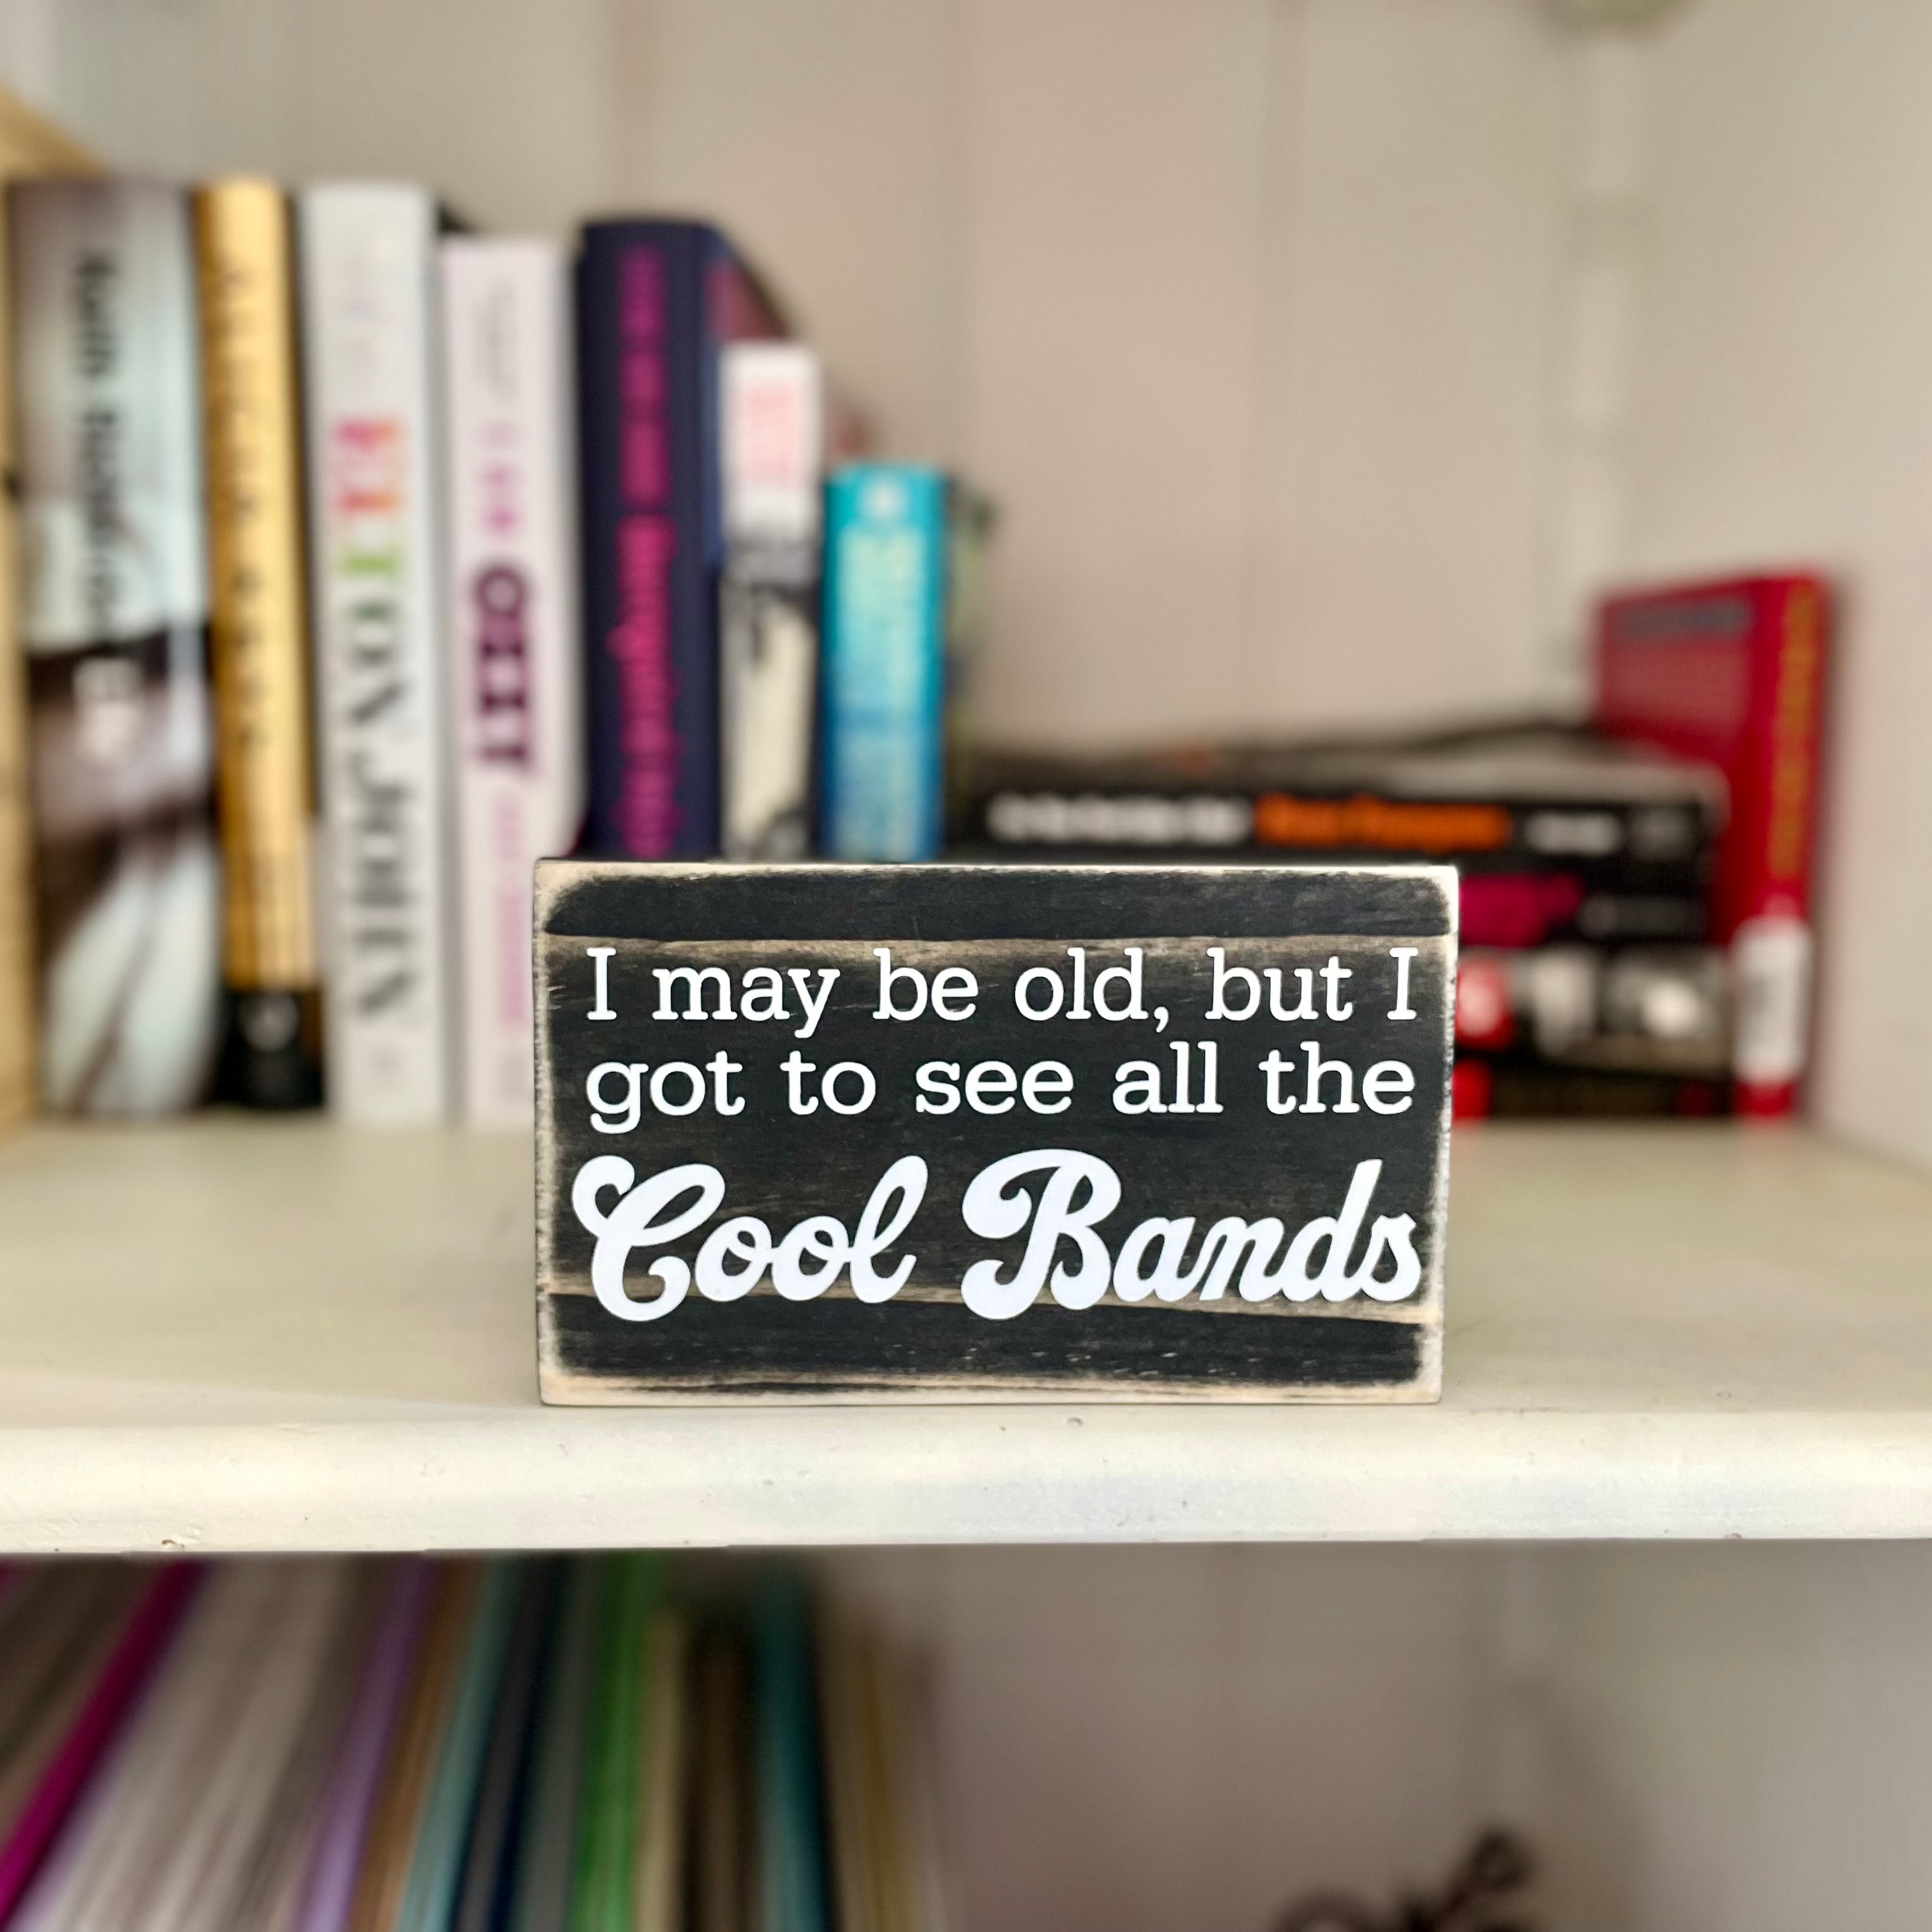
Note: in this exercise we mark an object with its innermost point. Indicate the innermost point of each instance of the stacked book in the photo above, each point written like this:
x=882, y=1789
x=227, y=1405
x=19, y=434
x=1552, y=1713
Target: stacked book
x=1586, y=981
x=1637, y=894
x=366, y=561
x=545, y=1745
x=1735, y=673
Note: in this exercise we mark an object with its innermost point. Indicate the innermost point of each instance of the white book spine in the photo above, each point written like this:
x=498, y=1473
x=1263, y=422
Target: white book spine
x=368, y=257
x=771, y=413
x=515, y=677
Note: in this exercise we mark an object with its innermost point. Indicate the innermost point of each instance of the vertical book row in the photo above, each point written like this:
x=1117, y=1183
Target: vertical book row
x=365, y=561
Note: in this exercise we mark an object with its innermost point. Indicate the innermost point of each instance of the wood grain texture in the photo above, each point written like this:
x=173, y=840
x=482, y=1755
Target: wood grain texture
x=675, y=947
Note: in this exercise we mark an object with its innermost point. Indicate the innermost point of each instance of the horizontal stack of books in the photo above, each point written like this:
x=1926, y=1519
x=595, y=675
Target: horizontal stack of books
x=364, y=562
x=542, y=1745
x=1636, y=896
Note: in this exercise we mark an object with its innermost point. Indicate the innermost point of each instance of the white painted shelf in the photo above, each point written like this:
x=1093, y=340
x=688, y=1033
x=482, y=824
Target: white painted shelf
x=243, y=1334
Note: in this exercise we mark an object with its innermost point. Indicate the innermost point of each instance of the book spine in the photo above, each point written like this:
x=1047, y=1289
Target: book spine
x=1637, y=1009
x=645, y=368
x=886, y=534
x=31, y=147
x=114, y=622
x=368, y=274
x=1610, y=844
x=771, y=413
x=17, y=1019
x=1486, y=1089
x=791, y=1878
x=1769, y=913
x=271, y=960
x=517, y=713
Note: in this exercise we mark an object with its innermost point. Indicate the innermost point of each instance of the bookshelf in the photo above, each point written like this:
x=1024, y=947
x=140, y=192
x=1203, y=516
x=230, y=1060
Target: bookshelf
x=1445, y=314
x=237, y=1335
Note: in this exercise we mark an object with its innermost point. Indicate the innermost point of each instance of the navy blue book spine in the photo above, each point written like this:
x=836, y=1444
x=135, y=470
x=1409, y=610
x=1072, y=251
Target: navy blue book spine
x=646, y=367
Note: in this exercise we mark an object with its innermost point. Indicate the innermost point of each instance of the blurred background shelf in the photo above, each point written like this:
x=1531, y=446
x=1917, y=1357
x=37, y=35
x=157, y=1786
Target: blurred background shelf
x=240, y=1335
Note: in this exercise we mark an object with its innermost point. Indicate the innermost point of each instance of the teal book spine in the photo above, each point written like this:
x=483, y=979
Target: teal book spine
x=436, y=1869
x=545, y=1873
x=883, y=774
x=791, y=1823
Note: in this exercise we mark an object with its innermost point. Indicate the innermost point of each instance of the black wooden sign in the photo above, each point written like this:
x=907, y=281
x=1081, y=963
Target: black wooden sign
x=988, y=1131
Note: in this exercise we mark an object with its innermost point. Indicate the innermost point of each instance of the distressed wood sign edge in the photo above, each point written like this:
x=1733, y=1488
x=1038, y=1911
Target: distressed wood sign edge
x=733, y=903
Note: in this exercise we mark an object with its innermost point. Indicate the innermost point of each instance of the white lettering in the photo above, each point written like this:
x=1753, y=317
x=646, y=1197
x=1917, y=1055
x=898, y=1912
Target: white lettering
x=938, y=1086
x=988, y=1079
x=766, y=984
x=615, y=1117
x=820, y=1235
x=828, y=1089
x=954, y=992
x=906, y=1178
x=1218, y=1008
x=1304, y=1008
x=602, y=1010
x=1046, y=1077
x=1333, y=974
x=694, y=1080
x=1345, y=1079
x=1131, y=974
x=814, y=1009
x=1027, y=1010
x=634, y=1223
x=889, y=976
x=995, y=1208
x=1401, y=956
x=1386, y=1077
x=744, y=1236
x=1137, y=1088
x=696, y=978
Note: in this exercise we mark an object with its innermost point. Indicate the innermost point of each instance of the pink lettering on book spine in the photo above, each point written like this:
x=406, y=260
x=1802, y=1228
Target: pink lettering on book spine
x=641, y=643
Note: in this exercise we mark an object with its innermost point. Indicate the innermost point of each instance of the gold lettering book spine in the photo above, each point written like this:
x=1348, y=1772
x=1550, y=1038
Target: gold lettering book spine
x=260, y=632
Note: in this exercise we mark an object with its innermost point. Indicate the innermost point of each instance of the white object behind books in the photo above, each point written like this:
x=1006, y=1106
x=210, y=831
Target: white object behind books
x=515, y=677
x=771, y=409
x=368, y=263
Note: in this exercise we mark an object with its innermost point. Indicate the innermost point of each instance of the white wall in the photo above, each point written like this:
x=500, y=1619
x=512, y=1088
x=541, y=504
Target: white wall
x=506, y=106
x=1740, y=1739
x=1144, y=1740
x=1782, y=412
x=1733, y=1738
x=1241, y=307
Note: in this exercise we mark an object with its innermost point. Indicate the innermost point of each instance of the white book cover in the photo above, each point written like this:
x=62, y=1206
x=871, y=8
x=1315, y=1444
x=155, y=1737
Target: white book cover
x=771, y=414
x=515, y=675
x=772, y=409
x=369, y=299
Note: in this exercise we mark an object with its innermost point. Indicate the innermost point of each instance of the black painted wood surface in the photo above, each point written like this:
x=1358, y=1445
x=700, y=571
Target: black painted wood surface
x=961, y=1323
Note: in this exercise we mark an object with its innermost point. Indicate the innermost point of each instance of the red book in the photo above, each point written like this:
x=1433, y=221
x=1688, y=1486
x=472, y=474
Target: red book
x=1733, y=672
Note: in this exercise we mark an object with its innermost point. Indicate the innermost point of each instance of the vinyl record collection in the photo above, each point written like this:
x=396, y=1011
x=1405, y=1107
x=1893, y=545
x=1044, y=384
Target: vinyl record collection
x=540, y=1745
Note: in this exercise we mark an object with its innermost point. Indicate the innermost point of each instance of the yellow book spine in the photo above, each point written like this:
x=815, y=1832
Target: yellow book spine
x=260, y=627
